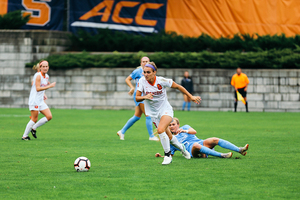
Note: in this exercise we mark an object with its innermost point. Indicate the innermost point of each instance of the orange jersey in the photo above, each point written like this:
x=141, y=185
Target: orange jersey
x=239, y=81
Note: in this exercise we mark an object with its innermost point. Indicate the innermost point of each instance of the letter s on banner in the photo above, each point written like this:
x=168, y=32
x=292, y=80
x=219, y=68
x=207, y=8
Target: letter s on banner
x=42, y=7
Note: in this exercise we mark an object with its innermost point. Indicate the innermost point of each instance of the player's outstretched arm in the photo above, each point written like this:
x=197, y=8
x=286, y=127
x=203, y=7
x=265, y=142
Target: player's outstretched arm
x=139, y=97
x=192, y=131
x=195, y=99
x=189, y=131
x=38, y=85
x=128, y=82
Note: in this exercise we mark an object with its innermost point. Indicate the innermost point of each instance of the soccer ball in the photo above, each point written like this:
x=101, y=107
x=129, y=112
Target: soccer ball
x=82, y=164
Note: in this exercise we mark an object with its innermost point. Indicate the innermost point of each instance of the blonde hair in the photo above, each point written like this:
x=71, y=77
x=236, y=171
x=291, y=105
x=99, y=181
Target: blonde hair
x=152, y=63
x=176, y=119
x=36, y=67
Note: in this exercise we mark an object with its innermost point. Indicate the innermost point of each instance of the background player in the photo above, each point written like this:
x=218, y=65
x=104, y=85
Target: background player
x=36, y=100
x=159, y=109
x=139, y=106
x=37, y=69
x=240, y=83
x=187, y=83
x=201, y=148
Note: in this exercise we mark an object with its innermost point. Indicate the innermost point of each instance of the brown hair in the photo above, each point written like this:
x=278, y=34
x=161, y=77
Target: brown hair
x=152, y=63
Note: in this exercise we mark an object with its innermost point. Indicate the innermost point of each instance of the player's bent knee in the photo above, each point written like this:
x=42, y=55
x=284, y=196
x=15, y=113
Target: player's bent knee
x=196, y=151
x=215, y=140
x=49, y=117
x=197, y=146
x=160, y=130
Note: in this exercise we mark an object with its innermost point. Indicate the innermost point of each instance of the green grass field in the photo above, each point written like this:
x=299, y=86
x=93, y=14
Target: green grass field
x=43, y=168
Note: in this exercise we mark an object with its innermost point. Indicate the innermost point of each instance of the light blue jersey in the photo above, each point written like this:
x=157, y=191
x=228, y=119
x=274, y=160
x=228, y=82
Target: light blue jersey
x=187, y=139
x=136, y=75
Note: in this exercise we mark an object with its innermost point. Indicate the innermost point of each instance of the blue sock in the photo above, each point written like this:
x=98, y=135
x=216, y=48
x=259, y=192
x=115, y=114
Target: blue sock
x=227, y=145
x=208, y=151
x=183, y=105
x=149, y=126
x=129, y=123
x=189, y=106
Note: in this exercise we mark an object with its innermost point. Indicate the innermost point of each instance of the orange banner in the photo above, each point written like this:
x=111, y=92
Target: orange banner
x=3, y=7
x=228, y=17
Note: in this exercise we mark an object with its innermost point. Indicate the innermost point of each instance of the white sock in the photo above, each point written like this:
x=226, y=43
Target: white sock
x=40, y=123
x=28, y=128
x=176, y=144
x=165, y=142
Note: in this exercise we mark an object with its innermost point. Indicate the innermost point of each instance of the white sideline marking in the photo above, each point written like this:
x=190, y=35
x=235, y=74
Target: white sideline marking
x=113, y=26
x=14, y=115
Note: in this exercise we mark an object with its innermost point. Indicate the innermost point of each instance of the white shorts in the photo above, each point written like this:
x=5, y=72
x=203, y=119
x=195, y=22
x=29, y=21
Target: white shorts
x=167, y=111
x=43, y=106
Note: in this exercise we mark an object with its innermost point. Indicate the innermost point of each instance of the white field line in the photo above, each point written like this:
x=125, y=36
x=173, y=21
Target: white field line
x=3, y=115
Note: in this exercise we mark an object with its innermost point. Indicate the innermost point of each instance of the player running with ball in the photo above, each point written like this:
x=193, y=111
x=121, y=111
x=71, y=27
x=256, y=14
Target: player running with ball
x=159, y=109
x=36, y=100
x=201, y=148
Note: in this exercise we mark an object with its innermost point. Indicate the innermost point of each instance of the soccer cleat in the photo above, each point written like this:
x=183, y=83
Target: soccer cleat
x=153, y=138
x=185, y=153
x=243, y=150
x=33, y=132
x=27, y=138
x=226, y=155
x=167, y=160
x=121, y=135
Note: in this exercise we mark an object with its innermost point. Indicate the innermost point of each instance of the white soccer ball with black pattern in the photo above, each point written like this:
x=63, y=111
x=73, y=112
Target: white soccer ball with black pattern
x=82, y=164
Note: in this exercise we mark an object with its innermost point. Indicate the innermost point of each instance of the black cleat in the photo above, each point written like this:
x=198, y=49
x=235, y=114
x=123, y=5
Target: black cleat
x=27, y=138
x=33, y=133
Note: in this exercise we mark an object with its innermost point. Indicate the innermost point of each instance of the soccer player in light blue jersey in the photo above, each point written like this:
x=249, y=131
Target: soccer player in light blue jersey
x=199, y=148
x=139, y=106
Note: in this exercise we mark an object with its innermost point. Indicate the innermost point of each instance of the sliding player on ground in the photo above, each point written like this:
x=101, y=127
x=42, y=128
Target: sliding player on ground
x=159, y=109
x=36, y=100
x=199, y=148
x=139, y=106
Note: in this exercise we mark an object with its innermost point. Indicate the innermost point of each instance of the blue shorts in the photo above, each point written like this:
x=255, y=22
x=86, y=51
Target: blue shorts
x=136, y=103
x=189, y=146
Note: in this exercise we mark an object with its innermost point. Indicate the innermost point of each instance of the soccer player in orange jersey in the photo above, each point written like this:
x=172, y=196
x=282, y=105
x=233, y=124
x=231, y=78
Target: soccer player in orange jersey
x=36, y=100
x=157, y=106
x=240, y=83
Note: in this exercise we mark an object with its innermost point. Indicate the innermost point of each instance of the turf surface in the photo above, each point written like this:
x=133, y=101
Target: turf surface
x=43, y=168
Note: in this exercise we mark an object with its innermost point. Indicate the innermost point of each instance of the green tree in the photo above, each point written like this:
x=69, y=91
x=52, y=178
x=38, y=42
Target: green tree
x=13, y=20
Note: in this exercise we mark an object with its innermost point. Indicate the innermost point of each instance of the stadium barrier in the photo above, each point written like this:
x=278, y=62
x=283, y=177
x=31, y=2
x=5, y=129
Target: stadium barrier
x=94, y=88
x=104, y=88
